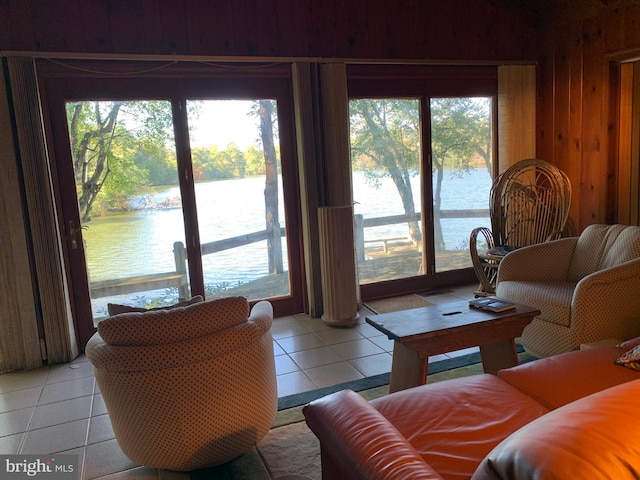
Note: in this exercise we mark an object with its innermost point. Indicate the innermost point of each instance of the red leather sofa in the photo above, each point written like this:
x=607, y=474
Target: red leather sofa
x=563, y=417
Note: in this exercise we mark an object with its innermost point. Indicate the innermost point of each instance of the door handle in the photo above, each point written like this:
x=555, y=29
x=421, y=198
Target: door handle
x=73, y=230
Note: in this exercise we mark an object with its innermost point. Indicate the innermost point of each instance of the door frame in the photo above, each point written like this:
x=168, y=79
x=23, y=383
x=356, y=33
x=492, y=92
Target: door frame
x=424, y=82
x=174, y=82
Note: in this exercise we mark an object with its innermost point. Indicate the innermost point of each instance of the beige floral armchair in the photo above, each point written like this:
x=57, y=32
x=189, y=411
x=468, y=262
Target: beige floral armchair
x=189, y=387
x=587, y=288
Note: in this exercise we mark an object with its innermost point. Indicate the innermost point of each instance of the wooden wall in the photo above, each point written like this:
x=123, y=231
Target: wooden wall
x=577, y=124
x=572, y=42
x=451, y=29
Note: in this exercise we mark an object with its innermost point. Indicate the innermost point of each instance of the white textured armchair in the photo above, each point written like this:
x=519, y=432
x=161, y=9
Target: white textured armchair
x=190, y=387
x=587, y=288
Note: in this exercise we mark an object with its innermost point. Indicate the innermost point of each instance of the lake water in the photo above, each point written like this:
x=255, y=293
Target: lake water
x=459, y=192
x=141, y=242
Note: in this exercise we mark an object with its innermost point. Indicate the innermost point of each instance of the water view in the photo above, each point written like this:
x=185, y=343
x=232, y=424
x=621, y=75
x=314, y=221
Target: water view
x=462, y=192
x=161, y=226
x=139, y=257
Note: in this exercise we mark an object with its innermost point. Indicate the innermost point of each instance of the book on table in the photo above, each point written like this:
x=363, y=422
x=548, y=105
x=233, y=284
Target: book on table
x=492, y=304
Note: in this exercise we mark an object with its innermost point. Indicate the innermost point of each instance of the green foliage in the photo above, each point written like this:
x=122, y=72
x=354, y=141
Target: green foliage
x=254, y=159
x=106, y=139
x=210, y=163
x=384, y=128
x=161, y=169
x=460, y=131
x=121, y=148
x=385, y=133
x=386, y=142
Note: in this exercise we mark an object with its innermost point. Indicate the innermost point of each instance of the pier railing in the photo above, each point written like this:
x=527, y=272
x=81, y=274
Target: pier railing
x=175, y=279
x=179, y=278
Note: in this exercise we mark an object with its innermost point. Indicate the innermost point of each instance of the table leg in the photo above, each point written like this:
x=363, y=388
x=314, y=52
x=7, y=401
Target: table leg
x=498, y=355
x=407, y=368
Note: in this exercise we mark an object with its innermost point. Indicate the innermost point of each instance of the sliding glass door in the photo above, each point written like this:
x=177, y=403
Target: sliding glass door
x=239, y=197
x=422, y=167
x=173, y=188
x=131, y=223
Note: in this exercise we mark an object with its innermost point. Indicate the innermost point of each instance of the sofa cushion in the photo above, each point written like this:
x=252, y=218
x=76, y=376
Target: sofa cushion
x=595, y=437
x=561, y=379
x=553, y=299
x=159, y=327
x=117, y=309
x=454, y=424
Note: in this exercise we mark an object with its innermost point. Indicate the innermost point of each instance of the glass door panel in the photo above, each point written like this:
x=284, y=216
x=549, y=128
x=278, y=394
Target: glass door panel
x=239, y=197
x=461, y=147
x=132, y=227
x=385, y=155
x=386, y=164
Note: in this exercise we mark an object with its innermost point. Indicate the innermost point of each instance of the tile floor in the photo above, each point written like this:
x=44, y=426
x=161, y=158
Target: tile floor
x=59, y=409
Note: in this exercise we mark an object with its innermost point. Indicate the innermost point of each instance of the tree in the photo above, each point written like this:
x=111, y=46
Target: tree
x=385, y=140
x=91, y=132
x=460, y=129
x=274, y=238
x=386, y=132
x=105, y=139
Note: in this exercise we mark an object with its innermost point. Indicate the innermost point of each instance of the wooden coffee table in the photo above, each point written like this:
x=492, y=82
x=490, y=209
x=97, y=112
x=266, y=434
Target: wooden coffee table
x=422, y=332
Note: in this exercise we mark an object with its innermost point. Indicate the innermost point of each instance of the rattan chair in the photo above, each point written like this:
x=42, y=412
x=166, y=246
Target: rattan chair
x=529, y=203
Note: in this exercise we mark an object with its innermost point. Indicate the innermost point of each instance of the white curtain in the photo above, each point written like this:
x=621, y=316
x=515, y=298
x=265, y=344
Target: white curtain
x=19, y=342
x=49, y=309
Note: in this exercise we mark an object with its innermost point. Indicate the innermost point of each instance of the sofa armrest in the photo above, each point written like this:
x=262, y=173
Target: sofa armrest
x=359, y=441
x=542, y=262
x=261, y=312
x=608, y=300
x=485, y=234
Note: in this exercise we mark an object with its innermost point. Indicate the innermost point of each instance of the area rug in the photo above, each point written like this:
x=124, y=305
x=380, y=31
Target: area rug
x=395, y=304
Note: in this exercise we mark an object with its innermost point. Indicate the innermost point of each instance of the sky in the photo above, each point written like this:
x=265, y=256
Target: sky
x=222, y=122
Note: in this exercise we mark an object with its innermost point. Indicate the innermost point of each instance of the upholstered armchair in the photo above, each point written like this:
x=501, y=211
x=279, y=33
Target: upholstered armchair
x=190, y=387
x=587, y=288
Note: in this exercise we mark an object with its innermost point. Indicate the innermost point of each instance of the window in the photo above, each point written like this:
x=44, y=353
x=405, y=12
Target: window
x=422, y=166
x=173, y=187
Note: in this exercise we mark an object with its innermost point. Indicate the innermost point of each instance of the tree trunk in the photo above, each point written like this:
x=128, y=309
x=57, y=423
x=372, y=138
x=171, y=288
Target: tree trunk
x=399, y=173
x=274, y=238
x=91, y=155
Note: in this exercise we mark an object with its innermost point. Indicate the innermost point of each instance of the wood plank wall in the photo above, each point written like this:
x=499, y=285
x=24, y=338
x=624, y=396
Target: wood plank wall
x=452, y=30
x=576, y=103
x=572, y=44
